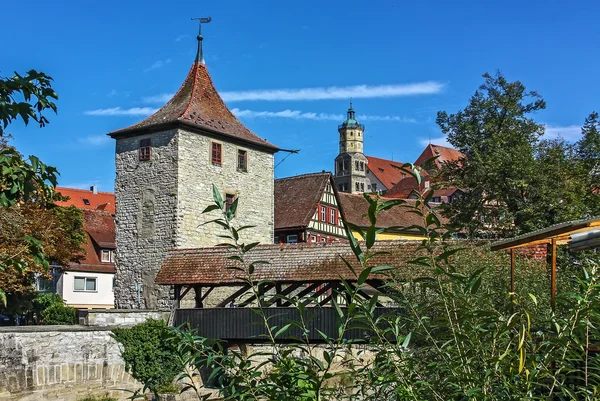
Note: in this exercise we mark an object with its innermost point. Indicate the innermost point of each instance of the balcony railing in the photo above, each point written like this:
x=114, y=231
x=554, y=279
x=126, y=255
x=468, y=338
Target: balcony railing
x=245, y=324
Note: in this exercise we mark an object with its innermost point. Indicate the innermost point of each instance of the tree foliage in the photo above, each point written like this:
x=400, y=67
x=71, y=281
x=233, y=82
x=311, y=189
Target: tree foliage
x=512, y=180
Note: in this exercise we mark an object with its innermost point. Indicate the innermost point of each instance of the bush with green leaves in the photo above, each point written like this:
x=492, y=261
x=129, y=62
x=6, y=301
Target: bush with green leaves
x=57, y=312
x=150, y=357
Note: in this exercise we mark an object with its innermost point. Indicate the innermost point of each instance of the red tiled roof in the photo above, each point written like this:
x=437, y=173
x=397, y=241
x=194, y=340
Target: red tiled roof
x=385, y=170
x=99, y=201
x=406, y=186
x=445, y=154
x=355, y=209
x=300, y=262
x=100, y=228
x=296, y=199
x=198, y=104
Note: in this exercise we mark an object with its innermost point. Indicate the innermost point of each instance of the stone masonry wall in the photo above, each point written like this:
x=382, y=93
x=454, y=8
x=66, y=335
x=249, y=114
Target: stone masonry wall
x=146, y=201
x=196, y=176
x=119, y=317
x=61, y=363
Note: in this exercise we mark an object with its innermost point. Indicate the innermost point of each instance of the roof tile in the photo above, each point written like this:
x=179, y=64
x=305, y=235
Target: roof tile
x=198, y=104
x=296, y=199
x=287, y=263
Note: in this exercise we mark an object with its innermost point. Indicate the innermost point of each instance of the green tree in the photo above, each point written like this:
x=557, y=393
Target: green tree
x=26, y=185
x=588, y=147
x=498, y=137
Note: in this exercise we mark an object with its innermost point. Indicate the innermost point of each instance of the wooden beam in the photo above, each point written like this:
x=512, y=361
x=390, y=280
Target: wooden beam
x=177, y=294
x=183, y=294
x=282, y=293
x=198, y=296
x=327, y=286
x=206, y=293
x=233, y=296
x=261, y=291
x=553, y=277
x=302, y=293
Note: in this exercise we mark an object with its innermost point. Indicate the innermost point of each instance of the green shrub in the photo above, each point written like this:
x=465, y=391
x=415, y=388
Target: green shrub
x=149, y=356
x=59, y=313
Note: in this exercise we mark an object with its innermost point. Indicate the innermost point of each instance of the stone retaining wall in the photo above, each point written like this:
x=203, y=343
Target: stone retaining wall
x=61, y=363
x=119, y=317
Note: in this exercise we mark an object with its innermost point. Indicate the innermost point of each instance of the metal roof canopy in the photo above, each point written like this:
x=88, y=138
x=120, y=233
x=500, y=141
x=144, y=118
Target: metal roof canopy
x=558, y=234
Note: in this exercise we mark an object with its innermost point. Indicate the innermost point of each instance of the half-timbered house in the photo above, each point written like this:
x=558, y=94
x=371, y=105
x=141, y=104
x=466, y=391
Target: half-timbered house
x=307, y=209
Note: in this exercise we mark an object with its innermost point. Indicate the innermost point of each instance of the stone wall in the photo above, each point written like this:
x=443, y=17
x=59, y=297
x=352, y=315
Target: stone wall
x=146, y=201
x=119, y=317
x=196, y=177
x=61, y=363
x=160, y=202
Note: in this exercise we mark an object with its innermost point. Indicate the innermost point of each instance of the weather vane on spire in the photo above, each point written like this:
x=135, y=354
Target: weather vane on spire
x=200, y=56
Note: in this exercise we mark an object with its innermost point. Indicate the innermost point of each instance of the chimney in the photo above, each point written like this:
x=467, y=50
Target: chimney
x=94, y=189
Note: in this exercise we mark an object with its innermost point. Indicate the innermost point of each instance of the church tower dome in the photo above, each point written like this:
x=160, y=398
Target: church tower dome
x=351, y=163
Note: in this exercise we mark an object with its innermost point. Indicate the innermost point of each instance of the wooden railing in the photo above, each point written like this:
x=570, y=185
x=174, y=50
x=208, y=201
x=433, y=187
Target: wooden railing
x=248, y=325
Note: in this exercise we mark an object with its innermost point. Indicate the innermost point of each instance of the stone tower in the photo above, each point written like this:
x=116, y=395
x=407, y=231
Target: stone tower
x=166, y=166
x=351, y=163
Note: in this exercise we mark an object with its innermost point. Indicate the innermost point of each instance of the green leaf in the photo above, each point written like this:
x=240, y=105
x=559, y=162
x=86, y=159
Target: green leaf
x=217, y=197
x=210, y=208
x=283, y=330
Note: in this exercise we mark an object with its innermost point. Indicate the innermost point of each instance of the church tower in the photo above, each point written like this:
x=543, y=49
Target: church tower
x=166, y=167
x=351, y=163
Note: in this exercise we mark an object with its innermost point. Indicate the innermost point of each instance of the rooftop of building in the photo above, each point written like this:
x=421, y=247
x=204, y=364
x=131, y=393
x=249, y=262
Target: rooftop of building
x=443, y=153
x=386, y=171
x=198, y=106
x=297, y=197
x=99, y=226
x=300, y=262
x=88, y=199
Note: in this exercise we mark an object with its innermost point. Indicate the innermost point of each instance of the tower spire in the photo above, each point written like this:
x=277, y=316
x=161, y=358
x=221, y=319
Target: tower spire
x=200, y=55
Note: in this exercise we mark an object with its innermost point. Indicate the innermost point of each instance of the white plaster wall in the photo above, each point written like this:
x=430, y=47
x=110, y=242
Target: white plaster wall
x=103, y=296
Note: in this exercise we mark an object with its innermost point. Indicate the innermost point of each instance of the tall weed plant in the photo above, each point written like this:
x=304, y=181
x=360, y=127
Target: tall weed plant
x=456, y=334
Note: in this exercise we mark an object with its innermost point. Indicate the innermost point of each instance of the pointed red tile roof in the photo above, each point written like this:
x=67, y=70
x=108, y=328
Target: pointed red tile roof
x=444, y=153
x=387, y=171
x=197, y=104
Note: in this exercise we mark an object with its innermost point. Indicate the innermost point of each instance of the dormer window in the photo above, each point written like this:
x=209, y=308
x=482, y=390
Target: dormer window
x=107, y=256
x=86, y=202
x=145, y=149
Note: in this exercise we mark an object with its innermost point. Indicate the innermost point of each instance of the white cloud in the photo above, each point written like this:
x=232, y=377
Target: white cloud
x=181, y=37
x=95, y=140
x=112, y=93
x=386, y=118
x=334, y=92
x=299, y=115
x=323, y=93
x=160, y=99
x=158, y=64
x=295, y=114
x=442, y=141
x=570, y=133
x=117, y=111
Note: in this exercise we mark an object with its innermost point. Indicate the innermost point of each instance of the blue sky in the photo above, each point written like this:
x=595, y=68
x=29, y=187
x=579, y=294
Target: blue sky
x=288, y=69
